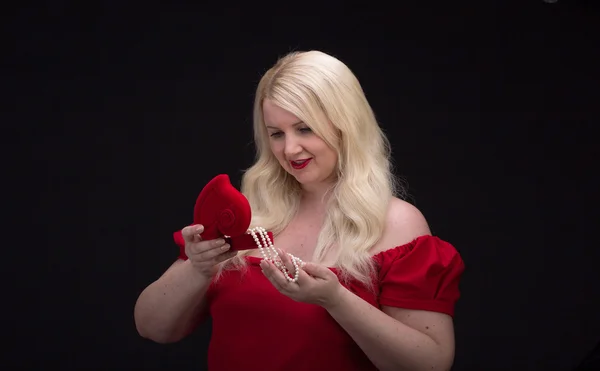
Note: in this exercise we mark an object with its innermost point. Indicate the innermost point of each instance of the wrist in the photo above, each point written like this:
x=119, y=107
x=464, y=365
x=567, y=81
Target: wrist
x=197, y=274
x=337, y=299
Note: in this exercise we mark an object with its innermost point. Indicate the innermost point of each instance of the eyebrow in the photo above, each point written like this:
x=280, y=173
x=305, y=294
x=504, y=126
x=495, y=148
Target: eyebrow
x=295, y=124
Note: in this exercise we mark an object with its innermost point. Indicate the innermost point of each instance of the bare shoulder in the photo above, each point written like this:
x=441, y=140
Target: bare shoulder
x=404, y=223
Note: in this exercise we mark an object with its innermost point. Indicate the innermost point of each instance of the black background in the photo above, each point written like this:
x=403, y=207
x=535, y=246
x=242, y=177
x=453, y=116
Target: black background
x=118, y=114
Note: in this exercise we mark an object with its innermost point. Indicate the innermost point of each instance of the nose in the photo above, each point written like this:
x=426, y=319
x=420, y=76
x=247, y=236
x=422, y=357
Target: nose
x=292, y=147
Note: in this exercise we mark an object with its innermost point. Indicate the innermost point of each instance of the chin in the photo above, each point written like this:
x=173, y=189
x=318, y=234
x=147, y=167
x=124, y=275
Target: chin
x=304, y=179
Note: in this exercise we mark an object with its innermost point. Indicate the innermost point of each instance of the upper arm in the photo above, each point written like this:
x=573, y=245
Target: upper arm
x=438, y=326
x=404, y=224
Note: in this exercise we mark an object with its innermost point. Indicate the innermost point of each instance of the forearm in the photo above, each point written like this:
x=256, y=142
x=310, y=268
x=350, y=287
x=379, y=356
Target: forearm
x=167, y=309
x=388, y=343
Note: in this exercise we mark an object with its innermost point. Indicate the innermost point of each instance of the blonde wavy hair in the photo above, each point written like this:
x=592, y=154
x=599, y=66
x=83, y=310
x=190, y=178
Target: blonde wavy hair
x=324, y=93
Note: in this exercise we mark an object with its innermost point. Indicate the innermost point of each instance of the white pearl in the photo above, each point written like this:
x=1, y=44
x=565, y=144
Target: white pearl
x=268, y=251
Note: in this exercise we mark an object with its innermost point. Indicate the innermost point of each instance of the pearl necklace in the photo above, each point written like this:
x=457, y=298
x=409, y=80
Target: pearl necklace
x=269, y=252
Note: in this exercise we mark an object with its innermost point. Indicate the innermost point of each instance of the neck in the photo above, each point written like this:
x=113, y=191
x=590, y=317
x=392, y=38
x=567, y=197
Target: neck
x=316, y=196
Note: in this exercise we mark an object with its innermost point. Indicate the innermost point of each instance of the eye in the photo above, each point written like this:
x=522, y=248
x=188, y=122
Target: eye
x=305, y=130
x=277, y=134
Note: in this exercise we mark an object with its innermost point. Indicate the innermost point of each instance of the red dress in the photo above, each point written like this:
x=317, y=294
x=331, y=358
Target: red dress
x=257, y=328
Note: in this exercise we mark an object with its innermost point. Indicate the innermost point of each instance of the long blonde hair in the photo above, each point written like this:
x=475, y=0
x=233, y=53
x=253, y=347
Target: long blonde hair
x=322, y=92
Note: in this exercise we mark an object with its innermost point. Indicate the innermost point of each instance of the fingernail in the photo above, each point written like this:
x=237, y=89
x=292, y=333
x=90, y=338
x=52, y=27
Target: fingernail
x=200, y=229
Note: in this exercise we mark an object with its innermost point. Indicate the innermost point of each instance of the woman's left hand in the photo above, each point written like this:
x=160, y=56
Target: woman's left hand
x=316, y=283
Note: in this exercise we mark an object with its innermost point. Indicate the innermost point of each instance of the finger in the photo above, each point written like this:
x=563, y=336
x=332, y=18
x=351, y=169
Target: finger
x=274, y=275
x=191, y=232
x=316, y=270
x=205, y=246
x=213, y=252
x=287, y=262
x=304, y=278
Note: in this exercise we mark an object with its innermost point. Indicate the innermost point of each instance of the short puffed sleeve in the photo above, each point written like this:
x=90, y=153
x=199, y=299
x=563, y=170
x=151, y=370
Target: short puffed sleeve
x=179, y=241
x=424, y=274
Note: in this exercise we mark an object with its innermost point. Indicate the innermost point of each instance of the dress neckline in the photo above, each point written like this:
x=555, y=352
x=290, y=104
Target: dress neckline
x=254, y=260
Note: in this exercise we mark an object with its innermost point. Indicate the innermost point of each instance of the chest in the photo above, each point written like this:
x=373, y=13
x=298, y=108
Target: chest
x=299, y=239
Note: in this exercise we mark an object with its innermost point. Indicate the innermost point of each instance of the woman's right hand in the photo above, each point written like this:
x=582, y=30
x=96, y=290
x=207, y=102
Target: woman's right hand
x=205, y=256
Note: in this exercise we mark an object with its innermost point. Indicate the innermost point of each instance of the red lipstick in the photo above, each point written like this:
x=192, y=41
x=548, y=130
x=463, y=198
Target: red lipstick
x=300, y=164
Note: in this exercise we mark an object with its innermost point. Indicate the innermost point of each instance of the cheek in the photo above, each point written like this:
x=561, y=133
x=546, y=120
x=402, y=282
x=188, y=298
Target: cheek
x=328, y=153
x=277, y=149
x=331, y=159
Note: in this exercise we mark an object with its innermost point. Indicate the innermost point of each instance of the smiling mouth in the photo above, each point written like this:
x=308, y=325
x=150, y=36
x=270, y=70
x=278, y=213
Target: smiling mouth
x=300, y=164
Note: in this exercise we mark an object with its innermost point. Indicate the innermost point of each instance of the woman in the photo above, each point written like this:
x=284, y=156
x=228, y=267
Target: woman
x=375, y=290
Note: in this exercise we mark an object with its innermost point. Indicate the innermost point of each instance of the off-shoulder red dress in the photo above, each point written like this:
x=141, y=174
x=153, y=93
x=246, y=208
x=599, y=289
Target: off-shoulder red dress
x=257, y=328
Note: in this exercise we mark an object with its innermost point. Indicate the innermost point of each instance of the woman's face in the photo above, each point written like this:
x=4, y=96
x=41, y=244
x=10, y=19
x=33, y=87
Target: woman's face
x=299, y=151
